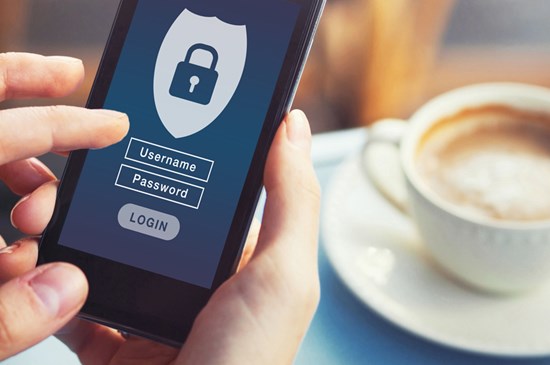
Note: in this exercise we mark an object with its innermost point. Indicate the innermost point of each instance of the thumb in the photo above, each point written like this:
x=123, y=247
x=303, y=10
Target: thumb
x=293, y=192
x=37, y=304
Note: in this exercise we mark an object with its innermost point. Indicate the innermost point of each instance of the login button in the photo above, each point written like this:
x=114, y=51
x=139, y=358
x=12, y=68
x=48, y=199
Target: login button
x=149, y=222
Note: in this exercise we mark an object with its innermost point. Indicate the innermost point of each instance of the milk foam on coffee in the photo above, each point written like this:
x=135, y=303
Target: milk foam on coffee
x=492, y=161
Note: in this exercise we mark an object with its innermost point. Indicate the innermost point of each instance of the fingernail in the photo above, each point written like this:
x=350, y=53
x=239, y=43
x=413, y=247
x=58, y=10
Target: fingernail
x=10, y=249
x=64, y=59
x=41, y=169
x=23, y=199
x=58, y=288
x=298, y=130
x=110, y=113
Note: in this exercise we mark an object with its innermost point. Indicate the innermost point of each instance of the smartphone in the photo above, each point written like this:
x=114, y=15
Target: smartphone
x=158, y=221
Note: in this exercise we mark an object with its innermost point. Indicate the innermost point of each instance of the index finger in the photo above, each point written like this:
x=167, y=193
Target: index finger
x=28, y=132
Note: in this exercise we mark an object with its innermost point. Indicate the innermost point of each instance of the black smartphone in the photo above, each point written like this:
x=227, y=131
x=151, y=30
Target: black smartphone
x=158, y=221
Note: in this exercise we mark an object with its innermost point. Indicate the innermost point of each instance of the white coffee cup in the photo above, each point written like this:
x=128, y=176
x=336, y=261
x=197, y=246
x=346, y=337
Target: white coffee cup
x=496, y=255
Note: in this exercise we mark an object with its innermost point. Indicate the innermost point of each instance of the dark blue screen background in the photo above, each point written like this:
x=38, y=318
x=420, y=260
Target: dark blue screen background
x=91, y=224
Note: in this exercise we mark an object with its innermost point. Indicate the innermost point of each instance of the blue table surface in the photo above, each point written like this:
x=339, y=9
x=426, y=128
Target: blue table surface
x=344, y=331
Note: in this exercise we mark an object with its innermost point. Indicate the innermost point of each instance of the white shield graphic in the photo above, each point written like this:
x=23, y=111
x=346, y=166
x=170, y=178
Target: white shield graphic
x=183, y=117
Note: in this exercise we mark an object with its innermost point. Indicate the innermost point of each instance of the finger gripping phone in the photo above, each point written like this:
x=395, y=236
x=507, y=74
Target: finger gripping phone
x=158, y=221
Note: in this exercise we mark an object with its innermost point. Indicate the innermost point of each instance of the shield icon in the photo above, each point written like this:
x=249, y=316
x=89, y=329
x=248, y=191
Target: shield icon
x=196, y=49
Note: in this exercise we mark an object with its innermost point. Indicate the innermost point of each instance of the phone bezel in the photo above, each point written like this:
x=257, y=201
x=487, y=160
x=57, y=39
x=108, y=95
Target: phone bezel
x=137, y=311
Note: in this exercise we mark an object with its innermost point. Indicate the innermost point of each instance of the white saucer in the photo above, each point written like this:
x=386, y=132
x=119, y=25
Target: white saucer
x=377, y=253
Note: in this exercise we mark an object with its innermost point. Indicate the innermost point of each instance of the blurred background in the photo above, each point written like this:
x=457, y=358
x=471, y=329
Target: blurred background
x=372, y=58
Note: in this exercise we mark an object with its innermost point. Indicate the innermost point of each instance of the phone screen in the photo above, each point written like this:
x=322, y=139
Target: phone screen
x=197, y=81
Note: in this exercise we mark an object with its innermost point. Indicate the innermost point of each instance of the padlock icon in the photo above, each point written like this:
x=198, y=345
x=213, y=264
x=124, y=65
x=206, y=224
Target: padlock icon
x=194, y=82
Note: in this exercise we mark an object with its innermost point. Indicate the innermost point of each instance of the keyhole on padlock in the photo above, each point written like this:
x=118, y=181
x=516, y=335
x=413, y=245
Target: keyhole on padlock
x=194, y=81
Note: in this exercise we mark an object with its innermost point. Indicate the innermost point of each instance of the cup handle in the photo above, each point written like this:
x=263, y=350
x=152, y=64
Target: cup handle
x=381, y=161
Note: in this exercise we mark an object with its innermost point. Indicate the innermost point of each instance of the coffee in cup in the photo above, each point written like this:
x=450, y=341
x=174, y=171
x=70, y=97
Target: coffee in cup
x=492, y=162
